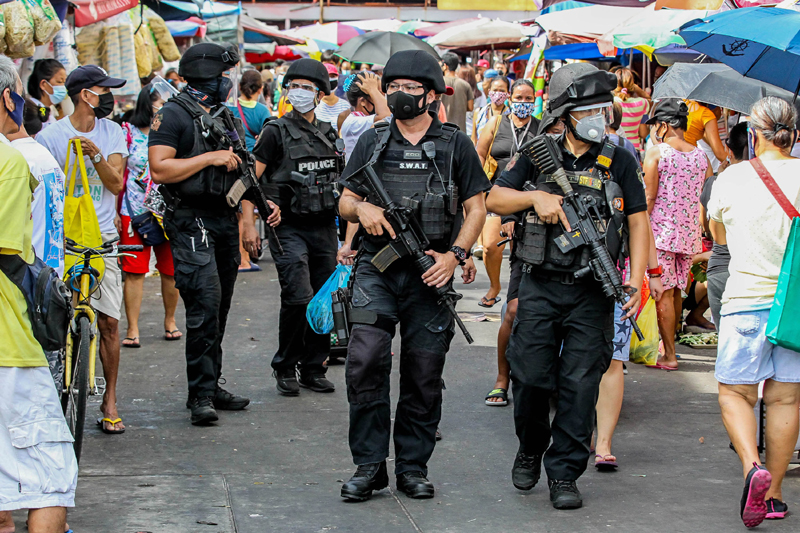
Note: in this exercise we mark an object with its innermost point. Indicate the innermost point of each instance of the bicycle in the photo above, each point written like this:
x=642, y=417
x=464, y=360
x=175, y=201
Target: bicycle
x=81, y=351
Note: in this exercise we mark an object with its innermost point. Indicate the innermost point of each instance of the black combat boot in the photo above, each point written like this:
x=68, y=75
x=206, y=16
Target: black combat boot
x=203, y=412
x=415, y=485
x=368, y=477
x=565, y=494
x=526, y=471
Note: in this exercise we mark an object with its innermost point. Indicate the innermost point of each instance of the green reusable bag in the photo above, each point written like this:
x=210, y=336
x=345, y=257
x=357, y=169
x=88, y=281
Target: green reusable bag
x=783, y=326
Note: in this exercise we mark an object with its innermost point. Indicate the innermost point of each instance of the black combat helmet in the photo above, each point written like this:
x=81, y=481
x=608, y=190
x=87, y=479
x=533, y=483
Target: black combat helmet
x=414, y=65
x=309, y=69
x=574, y=85
x=206, y=61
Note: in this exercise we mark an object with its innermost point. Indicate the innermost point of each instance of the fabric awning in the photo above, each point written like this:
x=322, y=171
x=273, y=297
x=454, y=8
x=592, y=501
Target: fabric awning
x=91, y=11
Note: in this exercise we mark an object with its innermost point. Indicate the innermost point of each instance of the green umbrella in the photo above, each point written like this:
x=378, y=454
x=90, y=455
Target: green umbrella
x=411, y=26
x=378, y=46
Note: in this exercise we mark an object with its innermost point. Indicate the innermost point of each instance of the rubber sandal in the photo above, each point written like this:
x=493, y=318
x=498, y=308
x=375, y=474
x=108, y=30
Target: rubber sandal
x=603, y=465
x=485, y=301
x=134, y=344
x=659, y=366
x=253, y=268
x=173, y=332
x=497, y=393
x=113, y=423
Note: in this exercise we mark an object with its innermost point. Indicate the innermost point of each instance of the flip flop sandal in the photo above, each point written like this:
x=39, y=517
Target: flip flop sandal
x=485, y=301
x=253, y=268
x=497, y=393
x=173, y=332
x=100, y=422
x=605, y=466
x=659, y=366
x=134, y=344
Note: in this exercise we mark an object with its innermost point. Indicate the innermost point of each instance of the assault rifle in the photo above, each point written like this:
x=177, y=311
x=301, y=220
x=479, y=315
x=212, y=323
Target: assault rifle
x=410, y=241
x=247, y=180
x=543, y=151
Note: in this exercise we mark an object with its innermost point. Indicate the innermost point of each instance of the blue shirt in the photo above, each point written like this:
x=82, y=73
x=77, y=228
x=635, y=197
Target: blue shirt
x=255, y=118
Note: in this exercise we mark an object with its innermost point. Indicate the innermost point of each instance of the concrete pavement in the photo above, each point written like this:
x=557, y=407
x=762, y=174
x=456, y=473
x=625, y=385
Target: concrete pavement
x=278, y=465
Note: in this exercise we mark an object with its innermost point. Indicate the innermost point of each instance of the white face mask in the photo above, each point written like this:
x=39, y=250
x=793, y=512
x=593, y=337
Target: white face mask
x=303, y=101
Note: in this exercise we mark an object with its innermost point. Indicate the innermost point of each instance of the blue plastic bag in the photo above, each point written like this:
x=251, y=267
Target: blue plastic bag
x=319, y=312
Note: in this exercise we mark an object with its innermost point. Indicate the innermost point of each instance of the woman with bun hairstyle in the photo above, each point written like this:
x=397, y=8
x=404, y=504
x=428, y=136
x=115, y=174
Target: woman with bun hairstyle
x=46, y=89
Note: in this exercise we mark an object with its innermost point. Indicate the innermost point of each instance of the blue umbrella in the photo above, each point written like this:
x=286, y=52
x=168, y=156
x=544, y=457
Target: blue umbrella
x=759, y=42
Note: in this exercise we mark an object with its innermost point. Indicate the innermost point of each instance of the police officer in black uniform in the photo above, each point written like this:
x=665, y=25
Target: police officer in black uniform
x=191, y=155
x=562, y=336
x=417, y=159
x=297, y=156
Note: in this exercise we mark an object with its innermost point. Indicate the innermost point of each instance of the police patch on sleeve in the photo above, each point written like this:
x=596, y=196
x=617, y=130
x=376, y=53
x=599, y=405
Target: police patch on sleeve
x=640, y=174
x=156, y=122
x=513, y=161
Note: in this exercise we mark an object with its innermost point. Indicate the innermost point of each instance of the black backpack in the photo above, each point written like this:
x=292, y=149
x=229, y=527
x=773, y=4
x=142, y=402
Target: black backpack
x=48, y=298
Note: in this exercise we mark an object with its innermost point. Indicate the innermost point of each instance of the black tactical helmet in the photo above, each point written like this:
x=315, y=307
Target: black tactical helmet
x=579, y=84
x=414, y=65
x=309, y=69
x=206, y=61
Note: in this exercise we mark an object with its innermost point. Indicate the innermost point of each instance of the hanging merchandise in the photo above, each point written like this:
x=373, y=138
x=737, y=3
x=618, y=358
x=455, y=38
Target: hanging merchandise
x=110, y=44
x=143, y=60
x=2, y=31
x=45, y=21
x=166, y=44
x=63, y=48
x=19, y=30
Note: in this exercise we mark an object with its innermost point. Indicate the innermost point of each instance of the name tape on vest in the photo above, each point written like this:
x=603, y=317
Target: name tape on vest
x=322, y=164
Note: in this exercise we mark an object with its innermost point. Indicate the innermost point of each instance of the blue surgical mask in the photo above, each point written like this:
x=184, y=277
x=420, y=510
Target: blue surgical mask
x=59, y=93
x=19, y=105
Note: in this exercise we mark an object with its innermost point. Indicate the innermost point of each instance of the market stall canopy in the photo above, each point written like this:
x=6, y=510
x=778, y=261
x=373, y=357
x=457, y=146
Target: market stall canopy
x=191, y=27
x=621, y=3
x=482, y=33
x=585, y=51
x=91, y=11
x=586, y=24
x=391, y=24
x=378, y=46
x=176, y=10
x=649, y=29
x=433, y=29
x=715, y=84
x=334, y=33
x=412, y=26
x=758, y=42
x=254, y=28
x=281, y=52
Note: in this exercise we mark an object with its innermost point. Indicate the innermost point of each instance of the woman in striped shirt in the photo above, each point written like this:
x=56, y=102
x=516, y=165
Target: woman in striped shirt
x=633, y=106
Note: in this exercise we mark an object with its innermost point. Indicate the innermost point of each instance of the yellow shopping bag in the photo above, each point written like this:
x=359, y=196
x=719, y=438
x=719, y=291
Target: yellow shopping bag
x=646, y=352
x=80, y=219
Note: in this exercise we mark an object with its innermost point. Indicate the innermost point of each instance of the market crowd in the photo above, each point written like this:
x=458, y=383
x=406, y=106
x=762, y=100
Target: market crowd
x=685, y=191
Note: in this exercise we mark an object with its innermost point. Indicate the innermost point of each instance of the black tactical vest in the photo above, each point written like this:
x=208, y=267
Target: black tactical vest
x=537, y=246
x=207, y=188
x=413, y=180
x=310, y=164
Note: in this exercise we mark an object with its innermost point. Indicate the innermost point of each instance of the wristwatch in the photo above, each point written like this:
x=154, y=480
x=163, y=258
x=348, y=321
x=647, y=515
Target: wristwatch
x=460, y=254
x=96, y=159
x=655, y=272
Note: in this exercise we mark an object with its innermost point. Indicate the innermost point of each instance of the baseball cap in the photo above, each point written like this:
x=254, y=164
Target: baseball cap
x=482, y=63
x=332, y=70
x=491, y=73
x=88, y=76
x=668, y=109
x=449, y=91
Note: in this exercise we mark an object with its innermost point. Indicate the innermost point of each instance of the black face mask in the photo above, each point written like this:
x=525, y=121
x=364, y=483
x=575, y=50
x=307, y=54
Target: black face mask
x=105, y=105
x=406, y=106
x=216, y=89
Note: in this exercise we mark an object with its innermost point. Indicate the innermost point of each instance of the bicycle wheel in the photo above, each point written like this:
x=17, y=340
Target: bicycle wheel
x=78, y=391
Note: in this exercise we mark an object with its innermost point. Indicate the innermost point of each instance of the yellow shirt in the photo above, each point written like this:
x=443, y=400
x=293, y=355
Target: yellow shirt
x=699, y=116
x=20, y=348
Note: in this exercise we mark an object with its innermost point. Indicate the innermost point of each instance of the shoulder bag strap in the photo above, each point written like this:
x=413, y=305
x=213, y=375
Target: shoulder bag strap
x=496, y=129
x=244, y=120
x=776, y=191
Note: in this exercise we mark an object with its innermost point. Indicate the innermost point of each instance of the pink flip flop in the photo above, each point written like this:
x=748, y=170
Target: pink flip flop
x=659, y=366
x=603, y=465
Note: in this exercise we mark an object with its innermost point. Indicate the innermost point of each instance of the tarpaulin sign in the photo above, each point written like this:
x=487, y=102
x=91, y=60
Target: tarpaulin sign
x=91, y=11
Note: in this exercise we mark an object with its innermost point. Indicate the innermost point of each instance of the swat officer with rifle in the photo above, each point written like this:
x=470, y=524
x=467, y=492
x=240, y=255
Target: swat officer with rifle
x=562, y=337
x=416, y=187
x=195, y=153
x=297, y=157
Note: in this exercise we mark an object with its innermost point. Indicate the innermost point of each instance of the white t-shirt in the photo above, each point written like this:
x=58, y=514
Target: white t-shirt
x=47, y=208
x=353, y=127
x=330, y=113
x=757, y=230
x=108, y=136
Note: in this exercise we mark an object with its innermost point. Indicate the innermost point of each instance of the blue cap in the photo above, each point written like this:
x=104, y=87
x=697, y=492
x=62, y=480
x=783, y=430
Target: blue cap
x=491, y=73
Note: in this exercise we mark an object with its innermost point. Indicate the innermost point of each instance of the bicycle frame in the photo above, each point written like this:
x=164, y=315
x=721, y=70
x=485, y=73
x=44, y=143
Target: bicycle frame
x=83, y=308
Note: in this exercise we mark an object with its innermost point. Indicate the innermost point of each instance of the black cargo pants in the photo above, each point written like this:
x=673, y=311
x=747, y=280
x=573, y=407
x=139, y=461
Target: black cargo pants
x=205, y=250
x=561, y=340
x=426, y=329
x=308, y=261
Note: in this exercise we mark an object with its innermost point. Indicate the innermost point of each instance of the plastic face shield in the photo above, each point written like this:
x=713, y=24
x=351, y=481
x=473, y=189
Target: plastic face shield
x=164, y=88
